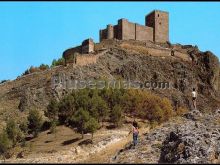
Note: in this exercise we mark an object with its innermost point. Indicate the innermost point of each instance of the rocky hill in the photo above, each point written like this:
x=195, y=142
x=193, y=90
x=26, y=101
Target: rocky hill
x=188, y=67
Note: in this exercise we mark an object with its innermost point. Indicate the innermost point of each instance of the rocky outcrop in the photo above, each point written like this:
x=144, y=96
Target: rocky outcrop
x=193, y=142
x=194, y=139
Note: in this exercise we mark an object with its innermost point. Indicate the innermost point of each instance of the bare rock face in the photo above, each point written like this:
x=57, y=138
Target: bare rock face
x=193, y=142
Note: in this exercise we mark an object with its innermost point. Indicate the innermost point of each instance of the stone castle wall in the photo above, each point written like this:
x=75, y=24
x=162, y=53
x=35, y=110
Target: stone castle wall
x=144, y=33
x=86, y=59
x=156, y=29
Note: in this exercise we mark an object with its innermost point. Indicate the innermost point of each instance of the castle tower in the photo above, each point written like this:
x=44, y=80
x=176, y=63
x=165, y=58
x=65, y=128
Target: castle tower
x=88, y=46
x=159, y=21
x=110, y=31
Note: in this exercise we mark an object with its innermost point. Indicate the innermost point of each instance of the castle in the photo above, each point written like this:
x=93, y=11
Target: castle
x=156, y=29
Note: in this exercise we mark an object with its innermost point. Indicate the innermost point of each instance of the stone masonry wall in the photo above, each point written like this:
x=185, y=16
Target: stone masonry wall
x=86, y=59
x=128, y=30
x=144, y=33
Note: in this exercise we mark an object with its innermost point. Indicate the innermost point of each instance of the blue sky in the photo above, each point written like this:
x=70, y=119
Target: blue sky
x=32, y=33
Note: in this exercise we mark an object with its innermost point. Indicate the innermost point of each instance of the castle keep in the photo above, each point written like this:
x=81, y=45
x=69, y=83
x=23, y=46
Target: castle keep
x=156, y=29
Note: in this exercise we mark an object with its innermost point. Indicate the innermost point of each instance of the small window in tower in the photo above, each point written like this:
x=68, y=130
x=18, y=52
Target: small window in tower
x=160, y=23
x=158, y=15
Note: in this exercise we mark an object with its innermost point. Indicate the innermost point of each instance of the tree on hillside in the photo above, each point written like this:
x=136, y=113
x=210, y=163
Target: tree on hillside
x=82, y=98
x=79, y=120
x=116, y=115
x=92, y=125
x=52, y=110
x=34, y=122
x=52, y=114
x=103, y=110
x=113, y=96
x=66, y=108
x=99, y=108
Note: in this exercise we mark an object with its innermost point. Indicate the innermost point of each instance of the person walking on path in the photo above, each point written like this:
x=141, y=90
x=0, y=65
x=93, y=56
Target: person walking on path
x=135, y=132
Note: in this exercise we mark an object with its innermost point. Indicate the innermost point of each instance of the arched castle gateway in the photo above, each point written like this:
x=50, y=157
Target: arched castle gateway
x=156, y=29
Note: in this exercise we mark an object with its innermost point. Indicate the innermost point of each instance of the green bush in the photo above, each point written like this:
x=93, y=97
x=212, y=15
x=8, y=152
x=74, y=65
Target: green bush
x=13, y=131
x=5, y=142
x=34, y=122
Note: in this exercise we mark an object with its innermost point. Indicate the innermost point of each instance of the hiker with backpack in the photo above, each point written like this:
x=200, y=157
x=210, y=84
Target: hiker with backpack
x=135, y=132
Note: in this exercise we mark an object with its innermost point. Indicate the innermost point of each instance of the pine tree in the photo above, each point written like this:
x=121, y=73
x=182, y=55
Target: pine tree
x=79, y=120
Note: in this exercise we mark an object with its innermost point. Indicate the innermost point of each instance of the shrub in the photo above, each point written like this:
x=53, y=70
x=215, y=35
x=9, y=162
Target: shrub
x=147, y=105
x=33, y=69
x=13, y=131
x=24, y=126
x=60, y=61
x=34, y=122
x=5, y=142
x=43, y=67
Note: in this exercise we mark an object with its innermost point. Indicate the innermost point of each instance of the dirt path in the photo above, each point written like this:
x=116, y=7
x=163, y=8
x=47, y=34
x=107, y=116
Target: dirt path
x=106, y=154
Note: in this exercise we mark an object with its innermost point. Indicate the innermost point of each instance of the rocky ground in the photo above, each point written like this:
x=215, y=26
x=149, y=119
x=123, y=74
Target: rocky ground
x=194, y=138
